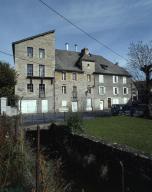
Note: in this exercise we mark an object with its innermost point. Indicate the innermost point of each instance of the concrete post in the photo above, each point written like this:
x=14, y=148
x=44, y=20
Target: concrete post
x=3, y=104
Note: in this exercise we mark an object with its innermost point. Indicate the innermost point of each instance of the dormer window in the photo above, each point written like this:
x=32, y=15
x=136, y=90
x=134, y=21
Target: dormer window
x=103, y=66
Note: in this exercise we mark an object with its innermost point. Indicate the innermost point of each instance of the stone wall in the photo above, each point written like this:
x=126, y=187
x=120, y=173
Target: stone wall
x=46, y=42
x=104, y=163
x=82, y=94
x=5, y=109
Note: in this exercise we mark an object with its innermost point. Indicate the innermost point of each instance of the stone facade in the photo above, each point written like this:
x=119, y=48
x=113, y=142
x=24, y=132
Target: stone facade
x=46, y=42
x=72, y=80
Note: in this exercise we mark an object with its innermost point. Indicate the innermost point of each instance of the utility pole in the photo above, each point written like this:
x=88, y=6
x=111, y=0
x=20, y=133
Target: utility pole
x=38, y=160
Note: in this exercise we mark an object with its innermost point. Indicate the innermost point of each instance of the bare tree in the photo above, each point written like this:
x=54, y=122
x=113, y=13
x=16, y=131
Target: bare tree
x=140, y=66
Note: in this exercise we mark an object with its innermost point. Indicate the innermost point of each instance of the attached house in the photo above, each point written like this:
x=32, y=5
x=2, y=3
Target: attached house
x=53, y=80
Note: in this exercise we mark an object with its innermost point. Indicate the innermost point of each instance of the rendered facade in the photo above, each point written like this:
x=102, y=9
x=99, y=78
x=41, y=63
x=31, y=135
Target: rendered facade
x=53, y=80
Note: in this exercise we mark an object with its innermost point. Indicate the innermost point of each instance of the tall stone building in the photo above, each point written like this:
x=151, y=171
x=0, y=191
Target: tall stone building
x=53, y=80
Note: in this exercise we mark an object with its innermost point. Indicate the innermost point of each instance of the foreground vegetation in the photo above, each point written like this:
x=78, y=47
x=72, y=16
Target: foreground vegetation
x=18, y=162
x=131, y=131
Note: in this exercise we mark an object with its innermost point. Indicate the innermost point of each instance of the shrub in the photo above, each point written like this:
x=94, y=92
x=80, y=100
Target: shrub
x=75, y=122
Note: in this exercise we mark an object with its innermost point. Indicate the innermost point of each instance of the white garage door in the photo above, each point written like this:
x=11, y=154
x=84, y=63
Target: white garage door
x=28, y=106
x=44, y=106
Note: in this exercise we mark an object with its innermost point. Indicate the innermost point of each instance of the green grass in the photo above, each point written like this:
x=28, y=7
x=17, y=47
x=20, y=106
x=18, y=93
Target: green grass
x=131, y=131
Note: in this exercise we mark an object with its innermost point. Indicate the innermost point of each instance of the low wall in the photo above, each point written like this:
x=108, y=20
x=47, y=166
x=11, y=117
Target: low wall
x=102, y=164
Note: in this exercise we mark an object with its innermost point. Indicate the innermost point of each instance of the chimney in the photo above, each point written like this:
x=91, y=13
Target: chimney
x=85, y=51
x=76, y=47
x=67, y=46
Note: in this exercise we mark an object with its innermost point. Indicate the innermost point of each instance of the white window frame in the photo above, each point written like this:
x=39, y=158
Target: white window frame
x=104, y=90
x=114, y=92
x=124, y=80
x=115, y=79
x=64, y=91
x=64, y=103
x=101, y=78
x=126, y=90
x=125, y=100
x=63, y=76
x=74, y=76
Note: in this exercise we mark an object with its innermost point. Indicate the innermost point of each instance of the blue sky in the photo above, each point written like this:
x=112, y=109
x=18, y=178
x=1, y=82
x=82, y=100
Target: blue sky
x=116, y=23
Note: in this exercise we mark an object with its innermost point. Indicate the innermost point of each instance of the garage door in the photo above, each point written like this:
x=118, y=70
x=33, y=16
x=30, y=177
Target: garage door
x=44, y=106
x=28, y=106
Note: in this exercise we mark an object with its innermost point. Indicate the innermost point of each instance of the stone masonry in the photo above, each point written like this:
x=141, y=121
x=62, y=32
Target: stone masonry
x=72, y=79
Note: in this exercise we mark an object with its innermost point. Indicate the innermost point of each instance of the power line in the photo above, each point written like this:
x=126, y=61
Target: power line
x=81, y=29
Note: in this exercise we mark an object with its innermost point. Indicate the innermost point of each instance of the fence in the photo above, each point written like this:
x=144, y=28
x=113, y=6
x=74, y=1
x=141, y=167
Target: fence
x=41, y=118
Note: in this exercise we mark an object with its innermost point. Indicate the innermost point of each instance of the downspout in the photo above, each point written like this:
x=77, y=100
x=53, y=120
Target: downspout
x=54, y=91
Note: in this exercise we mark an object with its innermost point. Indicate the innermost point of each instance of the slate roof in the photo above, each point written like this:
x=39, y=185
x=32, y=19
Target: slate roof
x=67, y=61
x=32, y=37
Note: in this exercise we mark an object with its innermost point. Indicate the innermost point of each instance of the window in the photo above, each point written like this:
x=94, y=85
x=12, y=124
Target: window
x=89, y=77
x=30, y=52
x=115, y=79
x=74, y=92
x=29, y=70
x=41, y=90
x=115, y=101
x=64, y=103
x=41, y=70
x=101, y=78
x=88, y=65
x=102, y=90
x=124, y=80
x=89, y=89
x=74, y=76
x=125, y=90
x=30, y=87
x=115, y=90
x=41, y=53
x=63, y=75
x=63, y=89
x=125, y=100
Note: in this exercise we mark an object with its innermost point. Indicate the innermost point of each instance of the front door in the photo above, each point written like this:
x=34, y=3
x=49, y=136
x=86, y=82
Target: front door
x=101, y=104
x=89, y=105
x=109, y=102
x=74, y=106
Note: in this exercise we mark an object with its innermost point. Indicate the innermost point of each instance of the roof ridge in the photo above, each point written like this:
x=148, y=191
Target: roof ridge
x=34, y=36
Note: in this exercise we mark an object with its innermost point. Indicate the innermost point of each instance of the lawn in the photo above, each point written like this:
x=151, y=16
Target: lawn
x=131, y=131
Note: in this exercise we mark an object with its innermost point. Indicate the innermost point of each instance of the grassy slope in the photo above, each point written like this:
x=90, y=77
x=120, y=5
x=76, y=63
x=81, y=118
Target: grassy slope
x=134, y=132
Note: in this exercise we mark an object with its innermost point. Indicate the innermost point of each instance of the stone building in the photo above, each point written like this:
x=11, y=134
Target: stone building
x=53, y=80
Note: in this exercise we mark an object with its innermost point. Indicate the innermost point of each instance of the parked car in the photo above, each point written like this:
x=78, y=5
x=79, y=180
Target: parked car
x=118, y=109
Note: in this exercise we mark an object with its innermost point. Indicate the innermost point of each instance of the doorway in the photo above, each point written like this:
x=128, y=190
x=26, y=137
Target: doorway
x=109, y=102
x=74, y=106
x=101, y=104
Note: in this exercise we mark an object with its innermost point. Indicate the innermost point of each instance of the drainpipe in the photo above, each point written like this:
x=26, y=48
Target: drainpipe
x=54, y=91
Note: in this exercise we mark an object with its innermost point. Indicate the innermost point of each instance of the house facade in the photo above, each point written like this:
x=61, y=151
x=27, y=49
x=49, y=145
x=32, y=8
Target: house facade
x=53, y=80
